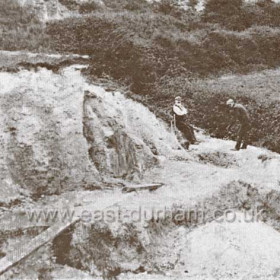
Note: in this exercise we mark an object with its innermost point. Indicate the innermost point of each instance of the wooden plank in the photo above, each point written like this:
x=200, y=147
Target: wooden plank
x=24, y=250
x=150, y=187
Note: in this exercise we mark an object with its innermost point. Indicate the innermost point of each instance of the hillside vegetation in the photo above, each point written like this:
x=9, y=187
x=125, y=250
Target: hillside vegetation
x=160, y=51
x=20, y=28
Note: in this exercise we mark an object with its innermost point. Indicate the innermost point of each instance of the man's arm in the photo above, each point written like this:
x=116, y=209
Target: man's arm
x=171, y=113
x=231, y=122
x=178, y=111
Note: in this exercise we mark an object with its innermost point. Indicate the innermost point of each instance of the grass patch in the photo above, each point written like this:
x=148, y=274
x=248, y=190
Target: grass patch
x=20, y=28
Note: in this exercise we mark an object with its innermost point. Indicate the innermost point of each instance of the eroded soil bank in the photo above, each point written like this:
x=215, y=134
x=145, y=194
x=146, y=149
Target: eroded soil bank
x=67, y=144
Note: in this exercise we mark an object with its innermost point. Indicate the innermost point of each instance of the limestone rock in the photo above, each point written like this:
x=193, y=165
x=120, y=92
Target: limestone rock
x=59, y=133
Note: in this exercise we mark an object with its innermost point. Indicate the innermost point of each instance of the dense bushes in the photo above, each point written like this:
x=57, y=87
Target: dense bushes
x=213, y=115
x=157, y=50
x=69, y=4
x=227, y=13
x=237, y=15
x=158, y=55
x=143, y=47
x=20, y=28
x=131, y=5
x=88, y=7
x=207, y=110
x=81, y=7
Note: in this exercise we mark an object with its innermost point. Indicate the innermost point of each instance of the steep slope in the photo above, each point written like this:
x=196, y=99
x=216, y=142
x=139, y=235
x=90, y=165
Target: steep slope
x=45, y=10
x=198, y=5
x=58, y=132
x=198, y=225
x=43, y=145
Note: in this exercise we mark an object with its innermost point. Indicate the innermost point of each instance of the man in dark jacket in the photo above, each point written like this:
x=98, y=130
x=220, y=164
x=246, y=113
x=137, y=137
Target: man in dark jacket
x=241, y=114
x=180, y=114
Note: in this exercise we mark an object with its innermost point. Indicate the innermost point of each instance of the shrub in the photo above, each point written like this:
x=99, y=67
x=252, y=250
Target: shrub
x=69, y=4
x=236, y=15
x=223, y=8
x=87, y=7
x=166, y=6
x=20, y=28
x=131, y=5
x=153, y=54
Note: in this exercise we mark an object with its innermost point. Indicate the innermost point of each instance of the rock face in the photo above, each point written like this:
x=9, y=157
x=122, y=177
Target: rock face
x=56, y=9
x=111, y=149
x=124, y=137
x=45, y=9
x=43, y=148
x=58, y=132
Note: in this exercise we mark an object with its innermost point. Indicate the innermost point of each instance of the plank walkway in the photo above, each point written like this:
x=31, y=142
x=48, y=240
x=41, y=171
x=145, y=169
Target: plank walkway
x=25, y=250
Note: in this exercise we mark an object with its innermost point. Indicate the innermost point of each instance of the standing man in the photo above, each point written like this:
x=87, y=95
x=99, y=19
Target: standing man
x=180, y=114
x=241, y=114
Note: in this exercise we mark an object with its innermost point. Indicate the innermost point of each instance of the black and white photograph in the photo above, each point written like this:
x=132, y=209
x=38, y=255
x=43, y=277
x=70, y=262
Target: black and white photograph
x=139, y=139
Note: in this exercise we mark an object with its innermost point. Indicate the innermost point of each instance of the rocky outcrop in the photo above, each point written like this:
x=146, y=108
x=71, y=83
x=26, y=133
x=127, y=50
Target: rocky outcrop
x=57, y=9
x=45, y=9
x=111, y=148
x=59, y=132
x=43, y=148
